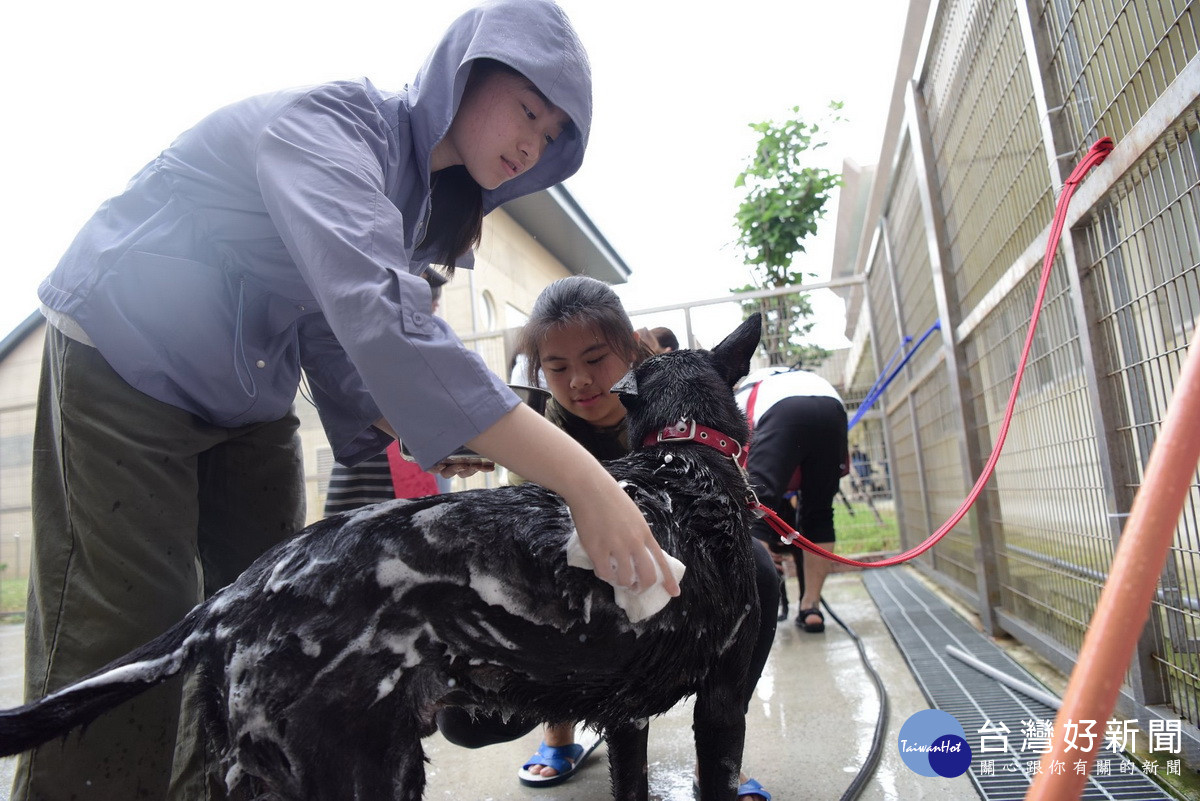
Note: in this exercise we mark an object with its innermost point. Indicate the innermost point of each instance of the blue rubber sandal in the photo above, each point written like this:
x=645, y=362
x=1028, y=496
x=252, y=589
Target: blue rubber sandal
x=748, y=787
x=752, y=787
x=564, y=759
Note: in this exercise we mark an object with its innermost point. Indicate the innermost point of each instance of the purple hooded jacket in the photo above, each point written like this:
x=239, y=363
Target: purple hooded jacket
x=282, y=232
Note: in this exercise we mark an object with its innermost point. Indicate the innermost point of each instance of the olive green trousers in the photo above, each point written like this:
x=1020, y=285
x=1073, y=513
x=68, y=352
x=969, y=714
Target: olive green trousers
x=140, y=511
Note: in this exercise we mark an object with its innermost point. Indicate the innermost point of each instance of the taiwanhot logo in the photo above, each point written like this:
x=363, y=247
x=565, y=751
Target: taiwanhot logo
x=933, y=743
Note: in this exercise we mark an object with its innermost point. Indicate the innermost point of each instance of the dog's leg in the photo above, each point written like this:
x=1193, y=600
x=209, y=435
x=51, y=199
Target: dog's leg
x=408, y=770
x=378, y=767
x=388, y=760
x=720, y=726
x=350, y=754
x=783, y=595
x=396, y=773
x=627, y=761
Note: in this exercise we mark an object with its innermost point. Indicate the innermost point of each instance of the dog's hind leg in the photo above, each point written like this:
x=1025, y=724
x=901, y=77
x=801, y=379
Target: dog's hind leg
x=385, y=757
x=406, y=760
x=396, y=773
x=628, y=768
x=368, y=762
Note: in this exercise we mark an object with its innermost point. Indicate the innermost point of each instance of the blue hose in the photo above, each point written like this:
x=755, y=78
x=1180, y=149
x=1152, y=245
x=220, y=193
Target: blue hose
x=881, y=383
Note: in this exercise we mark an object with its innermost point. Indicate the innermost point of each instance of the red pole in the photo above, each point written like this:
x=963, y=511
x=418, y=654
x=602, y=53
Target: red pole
x=1124, y=605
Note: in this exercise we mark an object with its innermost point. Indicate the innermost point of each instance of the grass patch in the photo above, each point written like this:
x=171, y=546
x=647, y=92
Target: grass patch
x=12, y=597
x=859, y=531
x=1185, y=785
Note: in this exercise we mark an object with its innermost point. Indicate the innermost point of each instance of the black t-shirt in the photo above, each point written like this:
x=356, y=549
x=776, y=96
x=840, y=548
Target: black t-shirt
x=604, y=443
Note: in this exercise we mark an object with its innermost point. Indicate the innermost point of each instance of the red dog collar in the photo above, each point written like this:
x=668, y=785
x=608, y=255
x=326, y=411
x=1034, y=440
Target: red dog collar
x=689, y=431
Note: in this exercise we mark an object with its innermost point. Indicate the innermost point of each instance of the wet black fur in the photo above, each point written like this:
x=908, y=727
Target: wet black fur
x=324, y=664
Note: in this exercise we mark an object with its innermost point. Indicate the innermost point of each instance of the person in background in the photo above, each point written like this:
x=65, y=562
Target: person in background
x=386, y=475
x=284, y=232
x=667, y=341
x=798, y=442
x=860, y=462
x=580, y=339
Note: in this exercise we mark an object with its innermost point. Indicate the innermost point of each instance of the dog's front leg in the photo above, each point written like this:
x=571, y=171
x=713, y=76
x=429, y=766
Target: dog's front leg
x=627, y=762
x=720, y=727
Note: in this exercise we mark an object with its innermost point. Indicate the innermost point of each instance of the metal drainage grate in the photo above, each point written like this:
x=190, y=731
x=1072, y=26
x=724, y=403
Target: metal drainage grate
x=923, y=625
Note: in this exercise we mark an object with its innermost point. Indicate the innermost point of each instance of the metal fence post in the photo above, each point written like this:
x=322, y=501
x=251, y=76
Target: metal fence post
x=987, y=577
x=877, y=241
x=898, y=312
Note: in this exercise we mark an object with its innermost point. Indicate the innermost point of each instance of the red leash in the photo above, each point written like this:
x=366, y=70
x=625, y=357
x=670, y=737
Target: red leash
x=1098, y=152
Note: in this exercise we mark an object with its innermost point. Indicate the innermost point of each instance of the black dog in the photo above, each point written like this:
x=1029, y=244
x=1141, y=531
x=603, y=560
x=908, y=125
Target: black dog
x=325, y=663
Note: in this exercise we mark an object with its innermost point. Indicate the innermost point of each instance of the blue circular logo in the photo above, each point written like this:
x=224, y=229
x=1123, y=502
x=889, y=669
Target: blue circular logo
x=933, y=743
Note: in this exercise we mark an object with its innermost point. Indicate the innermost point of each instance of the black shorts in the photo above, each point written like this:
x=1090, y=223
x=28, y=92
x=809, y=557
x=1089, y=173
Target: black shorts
x=805, y=433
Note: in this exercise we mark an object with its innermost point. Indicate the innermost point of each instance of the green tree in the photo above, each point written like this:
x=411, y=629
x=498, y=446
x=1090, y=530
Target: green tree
x=785, y=199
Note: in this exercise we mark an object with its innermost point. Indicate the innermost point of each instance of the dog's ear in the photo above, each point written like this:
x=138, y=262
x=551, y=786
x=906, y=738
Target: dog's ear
x=627, y=389
x=732, y=356
x=627, y=385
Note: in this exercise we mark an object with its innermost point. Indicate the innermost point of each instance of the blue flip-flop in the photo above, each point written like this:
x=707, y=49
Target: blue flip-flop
x=748, y=787
x=565, y=760
x=752, y=787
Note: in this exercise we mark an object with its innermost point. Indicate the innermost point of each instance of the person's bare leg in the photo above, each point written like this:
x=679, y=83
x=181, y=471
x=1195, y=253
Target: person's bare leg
x=815, y=571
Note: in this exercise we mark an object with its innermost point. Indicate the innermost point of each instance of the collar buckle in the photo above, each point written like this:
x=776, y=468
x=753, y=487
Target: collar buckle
x=684, y=429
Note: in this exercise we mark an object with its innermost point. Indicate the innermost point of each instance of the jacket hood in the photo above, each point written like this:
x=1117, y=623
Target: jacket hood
x=533, y=37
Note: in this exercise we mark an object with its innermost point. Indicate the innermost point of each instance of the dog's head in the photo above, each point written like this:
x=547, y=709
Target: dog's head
x=691, y=384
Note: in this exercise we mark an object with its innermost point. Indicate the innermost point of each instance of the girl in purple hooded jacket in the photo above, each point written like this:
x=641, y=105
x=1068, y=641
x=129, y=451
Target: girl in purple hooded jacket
x=285, y=232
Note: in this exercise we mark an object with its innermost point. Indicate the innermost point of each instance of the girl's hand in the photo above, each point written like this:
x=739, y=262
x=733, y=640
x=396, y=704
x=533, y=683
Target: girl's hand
x=611, y=529
x=615, y=536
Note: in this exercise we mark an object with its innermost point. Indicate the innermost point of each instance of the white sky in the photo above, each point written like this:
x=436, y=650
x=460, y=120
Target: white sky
x=95, y=89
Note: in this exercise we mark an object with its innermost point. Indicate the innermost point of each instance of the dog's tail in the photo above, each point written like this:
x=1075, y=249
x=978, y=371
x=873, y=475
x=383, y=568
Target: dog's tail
x=80, y=703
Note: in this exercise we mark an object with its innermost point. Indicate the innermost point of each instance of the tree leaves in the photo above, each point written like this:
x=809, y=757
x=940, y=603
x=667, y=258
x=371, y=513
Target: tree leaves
x=783, y=204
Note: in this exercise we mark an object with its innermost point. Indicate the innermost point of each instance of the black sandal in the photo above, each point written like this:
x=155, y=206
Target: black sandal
x=802, y=620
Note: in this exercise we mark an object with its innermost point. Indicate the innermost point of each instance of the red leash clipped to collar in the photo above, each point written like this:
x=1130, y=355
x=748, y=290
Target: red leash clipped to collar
x=690, y=431
x=681, y=431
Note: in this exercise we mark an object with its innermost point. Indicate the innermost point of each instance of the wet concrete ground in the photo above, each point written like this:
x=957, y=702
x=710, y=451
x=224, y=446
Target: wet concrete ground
x=809, y=726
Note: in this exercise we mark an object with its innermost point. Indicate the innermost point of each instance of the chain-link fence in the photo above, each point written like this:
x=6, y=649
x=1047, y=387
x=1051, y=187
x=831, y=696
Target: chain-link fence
x=1007, y=96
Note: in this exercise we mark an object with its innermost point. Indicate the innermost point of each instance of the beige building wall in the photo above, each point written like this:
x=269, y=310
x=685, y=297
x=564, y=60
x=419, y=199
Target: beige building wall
x=511, y=268
x=18, y=393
